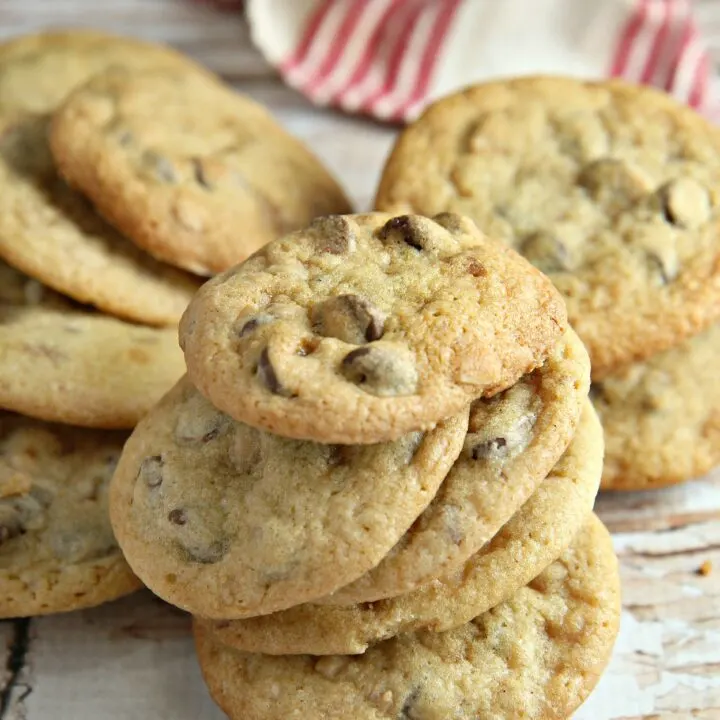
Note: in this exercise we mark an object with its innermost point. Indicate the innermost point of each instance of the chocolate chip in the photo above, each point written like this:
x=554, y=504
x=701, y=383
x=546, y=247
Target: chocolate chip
x=349, y=318
x=613, y=182
x=406, y=711
x=340, y=455
x=268, y=377
x=665, y=268
x=10, y=528
x=178, y=516
x=199, y=173
x=684, y=203
x=163, y=168
x=254, y=323
x=20, y=514
x=407, y=229
x=334, y=234
x=209, y=554
x=497, y=447
x=200, y=427
x=381, y=370
x=546, y=252
x=125, y=138
x=151, y=471
x=456, y=223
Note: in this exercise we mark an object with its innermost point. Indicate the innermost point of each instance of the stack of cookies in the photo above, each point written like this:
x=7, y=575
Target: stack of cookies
x=374, y=487
x=612, y=190
x=89, y=304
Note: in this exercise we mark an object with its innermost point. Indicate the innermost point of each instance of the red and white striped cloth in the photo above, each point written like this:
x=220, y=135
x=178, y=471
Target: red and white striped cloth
x=389, y=58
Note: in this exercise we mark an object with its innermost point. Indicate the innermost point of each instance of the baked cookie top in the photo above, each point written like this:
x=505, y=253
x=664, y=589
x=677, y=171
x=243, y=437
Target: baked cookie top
x=62, y=362
x=537, y=655
x=533, y=538
x=613, y=190
x=53, y=234
x=191, y=171
x=57, y=550
x=662, y=417
x=514, y=439
x=38, y=71
x=227, y=521
x=362, y=328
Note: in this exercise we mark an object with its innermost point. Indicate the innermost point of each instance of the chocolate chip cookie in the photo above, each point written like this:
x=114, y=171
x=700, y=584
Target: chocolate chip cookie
x=662, y=417
x=62, y=362
x=227, y=521
x=514, y=439
x=57, y=550
x=53, y=234
x=537, y=655
x=362, y=328
x=612, y=190
x=191, y=171
x=535, y=536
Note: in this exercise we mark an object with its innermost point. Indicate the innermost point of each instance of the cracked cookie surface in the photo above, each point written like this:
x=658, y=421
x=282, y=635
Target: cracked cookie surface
x=362, y=328
x=537, y=655
x=227, y=521
x=57, y=549
x=532, y=539
x=62, y=362
x=191, y=171
x=612, y=190
x=662, y=417
x=48, y=230
x=514, y=439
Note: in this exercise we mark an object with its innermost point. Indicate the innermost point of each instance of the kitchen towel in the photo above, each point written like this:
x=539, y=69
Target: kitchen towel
x=389, y=58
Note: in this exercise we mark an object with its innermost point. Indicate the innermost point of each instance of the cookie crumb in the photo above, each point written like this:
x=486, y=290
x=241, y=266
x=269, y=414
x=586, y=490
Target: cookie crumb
x=705, y=569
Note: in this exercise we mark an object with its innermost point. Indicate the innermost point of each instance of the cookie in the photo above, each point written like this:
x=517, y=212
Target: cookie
x=613, y=190
x=53, y=234
x=514, y=440
x=662, y=417
x=362, y=328
x=57, y=550
x=537, y=655
x=61, y=362
x=535, y=536
x=192, y=172
x=227, y=521
x=38, y=71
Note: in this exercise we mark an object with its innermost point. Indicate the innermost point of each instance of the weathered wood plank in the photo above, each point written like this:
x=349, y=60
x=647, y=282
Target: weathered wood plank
x=219, y=40
x=129, y=659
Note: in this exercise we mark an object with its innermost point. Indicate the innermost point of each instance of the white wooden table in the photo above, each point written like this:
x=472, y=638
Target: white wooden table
x=134, y=660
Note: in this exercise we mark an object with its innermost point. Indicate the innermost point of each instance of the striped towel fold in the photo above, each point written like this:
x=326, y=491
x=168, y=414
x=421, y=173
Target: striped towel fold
x=389, y=58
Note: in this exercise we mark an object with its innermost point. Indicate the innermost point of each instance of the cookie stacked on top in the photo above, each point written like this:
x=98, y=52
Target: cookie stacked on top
x=374, y=487
x=613, y=190
x=88, y=317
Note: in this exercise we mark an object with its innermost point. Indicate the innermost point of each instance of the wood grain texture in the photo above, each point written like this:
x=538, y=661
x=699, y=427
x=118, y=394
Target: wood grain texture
x=134, y=658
